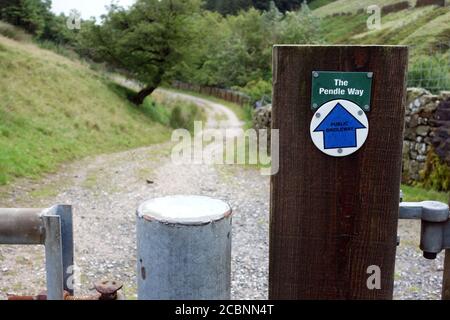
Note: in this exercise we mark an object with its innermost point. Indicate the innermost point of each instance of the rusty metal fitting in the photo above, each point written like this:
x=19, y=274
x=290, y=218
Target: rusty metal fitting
x=108, y=289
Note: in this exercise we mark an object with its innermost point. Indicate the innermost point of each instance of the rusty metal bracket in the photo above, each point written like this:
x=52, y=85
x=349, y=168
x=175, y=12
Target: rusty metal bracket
x=52, y=228
x=106, y=291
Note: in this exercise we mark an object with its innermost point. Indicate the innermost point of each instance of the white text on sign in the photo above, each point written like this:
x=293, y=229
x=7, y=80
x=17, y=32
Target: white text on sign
x=341, y=91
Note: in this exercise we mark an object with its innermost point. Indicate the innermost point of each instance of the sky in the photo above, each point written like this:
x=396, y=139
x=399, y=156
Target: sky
x=88, y=8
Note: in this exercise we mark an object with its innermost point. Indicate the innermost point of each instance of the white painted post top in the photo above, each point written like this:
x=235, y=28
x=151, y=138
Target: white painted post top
x=186, y=210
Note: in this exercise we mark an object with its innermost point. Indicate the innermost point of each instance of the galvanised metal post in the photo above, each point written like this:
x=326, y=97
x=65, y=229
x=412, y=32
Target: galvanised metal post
x=184, y=249
x=50, y=227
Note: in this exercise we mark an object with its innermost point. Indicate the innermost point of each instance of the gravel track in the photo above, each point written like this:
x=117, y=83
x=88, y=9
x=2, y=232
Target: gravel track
x=106, y=190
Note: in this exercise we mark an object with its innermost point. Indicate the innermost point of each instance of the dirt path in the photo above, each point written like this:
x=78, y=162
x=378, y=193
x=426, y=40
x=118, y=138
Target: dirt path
x=106, y=190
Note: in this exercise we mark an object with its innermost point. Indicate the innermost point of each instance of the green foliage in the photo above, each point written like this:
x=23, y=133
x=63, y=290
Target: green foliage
x=436, y=174
x=176, y=114
x=184, y=115
x=156, y=111
x=227, y=7
x=146, y=40
x=35, y=17
x=430, y=72
x=300, y=27
x=234, y=50
x=28, y=14
x=258, y=90
x=417, y=194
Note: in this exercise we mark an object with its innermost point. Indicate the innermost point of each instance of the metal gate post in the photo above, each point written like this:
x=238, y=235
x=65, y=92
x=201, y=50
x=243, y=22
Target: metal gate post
x=50, y=227
x=65, y=214
x=184, y=249
x=53, y=257
x=334, y=202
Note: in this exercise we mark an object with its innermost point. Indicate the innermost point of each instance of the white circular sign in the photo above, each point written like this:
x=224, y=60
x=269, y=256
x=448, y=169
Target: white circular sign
x=339, y=128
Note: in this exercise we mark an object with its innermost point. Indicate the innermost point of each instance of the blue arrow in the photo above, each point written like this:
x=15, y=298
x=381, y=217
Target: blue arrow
x=339, y=129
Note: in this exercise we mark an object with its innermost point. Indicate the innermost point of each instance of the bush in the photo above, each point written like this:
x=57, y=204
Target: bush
x=184, y=115
x=156, y=112
x=258, y=90
x=430, y=72
x=436, y=174
x=173, y=113
x=15, y=33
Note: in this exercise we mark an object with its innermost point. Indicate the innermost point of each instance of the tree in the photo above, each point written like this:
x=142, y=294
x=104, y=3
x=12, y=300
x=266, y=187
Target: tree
x=31, y=15
x=147, y=40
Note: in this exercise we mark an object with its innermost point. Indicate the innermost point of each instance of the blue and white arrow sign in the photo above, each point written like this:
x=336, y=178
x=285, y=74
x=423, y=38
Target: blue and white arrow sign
x=339, y=128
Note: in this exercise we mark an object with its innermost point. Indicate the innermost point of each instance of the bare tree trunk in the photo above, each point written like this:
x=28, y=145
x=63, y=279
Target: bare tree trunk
x=139, y=98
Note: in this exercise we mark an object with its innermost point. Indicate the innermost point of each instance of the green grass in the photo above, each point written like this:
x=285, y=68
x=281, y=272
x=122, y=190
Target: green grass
x=412, y=194
x=318, y=3
x=54, y=110
x=426, y=30
x=340, y=29
x=351, y=6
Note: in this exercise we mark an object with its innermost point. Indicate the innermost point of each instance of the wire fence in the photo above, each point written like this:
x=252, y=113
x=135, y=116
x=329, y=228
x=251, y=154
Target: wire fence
x=430, y=68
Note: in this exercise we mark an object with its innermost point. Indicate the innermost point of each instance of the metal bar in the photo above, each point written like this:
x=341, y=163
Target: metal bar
x=21, y=227
x=53, y=257
x=65, y=213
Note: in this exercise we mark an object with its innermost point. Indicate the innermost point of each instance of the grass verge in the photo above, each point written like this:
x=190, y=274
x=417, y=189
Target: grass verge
x=412, y=194
x=54, y=110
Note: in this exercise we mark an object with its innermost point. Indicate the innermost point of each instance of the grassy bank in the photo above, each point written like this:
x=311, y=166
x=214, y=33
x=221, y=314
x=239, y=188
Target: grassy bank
x=54, y=110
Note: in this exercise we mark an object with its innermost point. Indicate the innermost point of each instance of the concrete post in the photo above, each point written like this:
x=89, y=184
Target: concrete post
x=184, y=249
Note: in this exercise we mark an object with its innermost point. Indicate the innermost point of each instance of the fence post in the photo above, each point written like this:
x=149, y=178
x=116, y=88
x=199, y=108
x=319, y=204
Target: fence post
x=184, y=249
x=334, y=219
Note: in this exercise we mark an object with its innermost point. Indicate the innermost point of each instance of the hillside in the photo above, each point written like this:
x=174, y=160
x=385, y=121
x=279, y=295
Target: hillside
x=53, y=109
x=425, y=29
x=330, y=7
x=425, y=26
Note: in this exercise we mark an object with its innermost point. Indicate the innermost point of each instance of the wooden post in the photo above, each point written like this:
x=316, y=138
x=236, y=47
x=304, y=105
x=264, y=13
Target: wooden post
x=334, y=218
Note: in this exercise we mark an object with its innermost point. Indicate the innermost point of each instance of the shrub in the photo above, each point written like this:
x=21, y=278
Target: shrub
x=156, y=112
x=184, y=115
x=436, y=174
x=173, y=113
x=258, y=90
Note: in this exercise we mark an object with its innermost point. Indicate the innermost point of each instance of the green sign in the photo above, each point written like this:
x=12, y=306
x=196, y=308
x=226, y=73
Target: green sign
x=353, y=86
